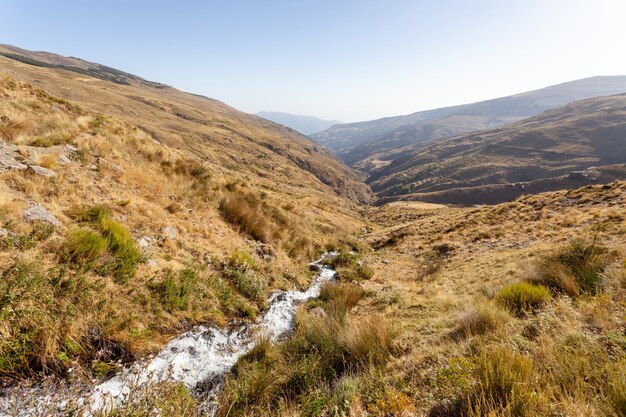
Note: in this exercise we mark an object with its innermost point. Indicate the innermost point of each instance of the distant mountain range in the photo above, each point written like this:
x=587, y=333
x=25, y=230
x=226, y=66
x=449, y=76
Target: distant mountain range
x=303, y=124
x=556, y=149
x=372, y=144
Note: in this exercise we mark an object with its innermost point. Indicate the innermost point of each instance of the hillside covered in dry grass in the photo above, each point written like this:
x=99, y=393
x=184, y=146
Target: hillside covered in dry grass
x=131, y=212
x=119, y=228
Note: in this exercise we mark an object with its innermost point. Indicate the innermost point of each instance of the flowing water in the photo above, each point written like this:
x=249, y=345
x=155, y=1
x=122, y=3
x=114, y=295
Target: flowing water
x=200, y=357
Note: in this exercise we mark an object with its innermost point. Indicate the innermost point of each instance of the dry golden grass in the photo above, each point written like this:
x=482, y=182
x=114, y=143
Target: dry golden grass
x=150, y=189
x=454, y=333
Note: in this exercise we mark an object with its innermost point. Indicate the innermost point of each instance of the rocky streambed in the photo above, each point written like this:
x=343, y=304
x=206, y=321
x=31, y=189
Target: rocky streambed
x=198, y=358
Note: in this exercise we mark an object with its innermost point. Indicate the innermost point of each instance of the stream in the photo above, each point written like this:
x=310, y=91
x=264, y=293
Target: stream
x=202, y=356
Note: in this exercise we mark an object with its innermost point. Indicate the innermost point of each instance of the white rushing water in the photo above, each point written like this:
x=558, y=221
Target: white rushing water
x=198, y=358
x=204, y=354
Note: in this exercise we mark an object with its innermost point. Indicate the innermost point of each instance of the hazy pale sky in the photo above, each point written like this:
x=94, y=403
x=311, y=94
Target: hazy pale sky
x=348, y=60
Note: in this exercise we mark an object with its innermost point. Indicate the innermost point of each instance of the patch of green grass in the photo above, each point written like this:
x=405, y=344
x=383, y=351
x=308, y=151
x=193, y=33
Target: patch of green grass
x=247, y=283
x=84, y=247
x=122, y=247
x=523, y=297
x=175, y=290
x=124, y=255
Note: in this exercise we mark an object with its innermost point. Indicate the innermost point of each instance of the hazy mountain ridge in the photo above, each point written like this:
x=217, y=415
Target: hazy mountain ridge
x=360, y=144
x=306, y=125
x=573, y=137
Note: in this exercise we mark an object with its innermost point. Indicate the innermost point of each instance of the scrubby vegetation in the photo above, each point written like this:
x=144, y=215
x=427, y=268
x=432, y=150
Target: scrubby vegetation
x=85, y=247
x=575, y=269
x=320, y=368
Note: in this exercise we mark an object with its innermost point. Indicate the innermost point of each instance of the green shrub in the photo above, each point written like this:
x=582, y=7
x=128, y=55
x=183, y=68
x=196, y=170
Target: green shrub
x=84, y=246
x=41, y=231
x=93, y=214
x=341, y=260
x=230, y=303
x=175, y=290
x=123, y=249
x=19, y=242
x=247, y=283
x=355, y=272
x=574, y=269
x=523, y=297
x=124, y=254
x=240, y=260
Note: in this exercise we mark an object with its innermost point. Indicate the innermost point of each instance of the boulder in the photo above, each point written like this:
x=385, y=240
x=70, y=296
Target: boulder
x=37, y=212
x=44, y=172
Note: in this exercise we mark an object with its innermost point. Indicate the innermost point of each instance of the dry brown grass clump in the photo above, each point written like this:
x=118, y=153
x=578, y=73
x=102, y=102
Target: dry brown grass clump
x=575, y=268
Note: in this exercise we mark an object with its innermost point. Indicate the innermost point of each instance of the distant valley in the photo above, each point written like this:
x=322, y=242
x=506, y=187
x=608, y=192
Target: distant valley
x=306, y=125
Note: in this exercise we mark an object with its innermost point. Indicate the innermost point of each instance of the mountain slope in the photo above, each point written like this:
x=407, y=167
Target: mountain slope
x=209, y=128
x=575, y=137
x=356, y=142
x=130, y=212
x=303, y=124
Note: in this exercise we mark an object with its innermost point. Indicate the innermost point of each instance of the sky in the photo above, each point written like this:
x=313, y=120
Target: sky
x=344, y=59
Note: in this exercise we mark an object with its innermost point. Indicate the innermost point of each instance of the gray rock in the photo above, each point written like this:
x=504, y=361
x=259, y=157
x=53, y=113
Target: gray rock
x=265, y=251
x=110, y=165
x=64, y=160
x=144, y=242
x=44, y=172
x=153, y=263
x=170, y=232
x=71, y=148
x=37, y=212
x=3, y=232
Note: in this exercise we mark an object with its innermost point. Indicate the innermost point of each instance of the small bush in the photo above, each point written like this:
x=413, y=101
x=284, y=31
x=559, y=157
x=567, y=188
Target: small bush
x=84, y=246
x=523, y=297
x=94, y=214
x=247, y=282
x=240, y=260
x=175, y=290
x=123, y=249
x=341, y=260
x=124, y=254
x=41, y=231
x=355, y=272
x=574, y=269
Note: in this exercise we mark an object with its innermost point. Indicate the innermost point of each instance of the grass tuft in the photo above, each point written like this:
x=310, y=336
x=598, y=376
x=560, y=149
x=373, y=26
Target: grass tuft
x=523, y=297
x=574, y=269
x=84, y=246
